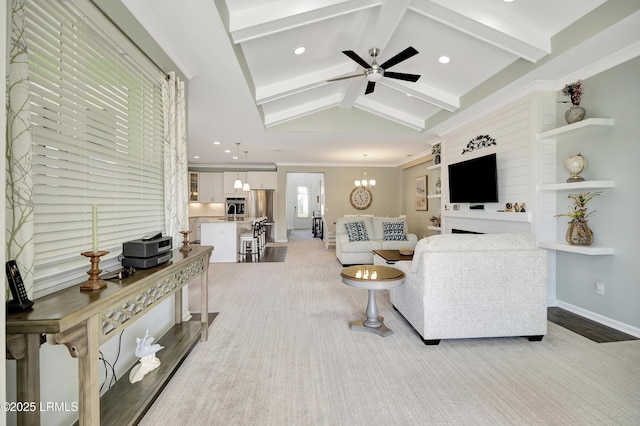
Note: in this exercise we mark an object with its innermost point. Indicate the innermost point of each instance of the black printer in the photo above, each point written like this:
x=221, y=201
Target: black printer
x=149, y=251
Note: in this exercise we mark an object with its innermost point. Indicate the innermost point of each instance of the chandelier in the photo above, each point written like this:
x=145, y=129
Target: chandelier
x=364, y=182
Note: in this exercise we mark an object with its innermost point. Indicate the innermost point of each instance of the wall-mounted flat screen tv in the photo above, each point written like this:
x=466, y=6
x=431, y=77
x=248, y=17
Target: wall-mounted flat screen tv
x=474, y=181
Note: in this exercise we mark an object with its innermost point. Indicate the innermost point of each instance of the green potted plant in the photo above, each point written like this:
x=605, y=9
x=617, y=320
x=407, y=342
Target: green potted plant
x=578, y=232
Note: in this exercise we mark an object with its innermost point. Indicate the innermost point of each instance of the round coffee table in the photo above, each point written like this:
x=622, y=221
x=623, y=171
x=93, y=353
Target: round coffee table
x=372, y=278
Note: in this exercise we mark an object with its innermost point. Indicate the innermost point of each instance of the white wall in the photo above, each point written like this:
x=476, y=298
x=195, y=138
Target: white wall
x=611, y=153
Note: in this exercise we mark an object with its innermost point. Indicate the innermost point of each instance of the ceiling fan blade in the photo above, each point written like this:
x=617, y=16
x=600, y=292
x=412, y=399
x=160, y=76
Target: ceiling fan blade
x=344, y=78
x=353, y=55
x=404, y=55
x=402, y=76
x=370, y=87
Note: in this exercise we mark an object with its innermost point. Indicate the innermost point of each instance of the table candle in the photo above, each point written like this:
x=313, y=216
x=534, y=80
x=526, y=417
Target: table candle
x=94, y=228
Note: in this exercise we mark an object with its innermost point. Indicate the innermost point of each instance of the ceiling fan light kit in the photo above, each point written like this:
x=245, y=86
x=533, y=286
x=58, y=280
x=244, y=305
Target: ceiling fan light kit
x=374, y=72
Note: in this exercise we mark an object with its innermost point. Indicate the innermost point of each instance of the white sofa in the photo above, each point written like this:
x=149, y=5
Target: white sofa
x=467, y=286
x=361, y=252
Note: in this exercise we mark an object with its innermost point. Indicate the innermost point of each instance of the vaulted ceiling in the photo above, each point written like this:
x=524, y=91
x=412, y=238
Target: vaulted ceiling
x=247, y=85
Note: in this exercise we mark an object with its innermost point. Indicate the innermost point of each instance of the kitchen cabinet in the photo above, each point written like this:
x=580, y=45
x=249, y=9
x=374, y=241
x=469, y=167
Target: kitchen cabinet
x=193, y=186
x=229, y=178
x=211, y=188
x=194, y=227
x=262, y=180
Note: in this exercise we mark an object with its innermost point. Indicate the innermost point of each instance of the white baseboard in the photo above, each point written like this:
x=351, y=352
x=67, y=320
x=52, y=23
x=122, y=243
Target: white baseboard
x=620, y=326
x=187, y=316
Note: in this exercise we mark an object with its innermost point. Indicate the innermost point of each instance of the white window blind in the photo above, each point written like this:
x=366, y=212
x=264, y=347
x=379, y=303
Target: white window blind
x=97, y=139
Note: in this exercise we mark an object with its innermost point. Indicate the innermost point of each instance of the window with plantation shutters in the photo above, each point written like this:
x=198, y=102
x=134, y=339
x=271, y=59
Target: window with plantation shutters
x=97, y=119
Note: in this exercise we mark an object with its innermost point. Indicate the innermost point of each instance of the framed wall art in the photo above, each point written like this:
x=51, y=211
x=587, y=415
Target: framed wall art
x=420, y=193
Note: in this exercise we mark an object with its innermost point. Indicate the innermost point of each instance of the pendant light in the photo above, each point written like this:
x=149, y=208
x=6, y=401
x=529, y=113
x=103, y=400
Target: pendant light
x=246, y=187
x=238, y=183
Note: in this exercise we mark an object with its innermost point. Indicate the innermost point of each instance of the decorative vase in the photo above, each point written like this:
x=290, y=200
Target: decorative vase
x=574, y=114
x=579, y=234
x=438, y=186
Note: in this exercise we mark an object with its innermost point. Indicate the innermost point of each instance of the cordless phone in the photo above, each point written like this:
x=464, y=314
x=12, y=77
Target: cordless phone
x=20, y=302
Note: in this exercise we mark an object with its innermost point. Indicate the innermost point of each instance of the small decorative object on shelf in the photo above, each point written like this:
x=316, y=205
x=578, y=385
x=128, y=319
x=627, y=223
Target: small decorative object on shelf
x=435, y=150
x=148, y=360
x=435, y=220
x=508, y=207
x=575, y=165
x=94, y=282
x=576, y=112
x=578, y=232
x=438, y=186
x=185, y=241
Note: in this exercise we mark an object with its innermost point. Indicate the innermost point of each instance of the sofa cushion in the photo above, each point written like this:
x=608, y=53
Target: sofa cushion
x=377, y=227
x=356, y=231
x=393, y=231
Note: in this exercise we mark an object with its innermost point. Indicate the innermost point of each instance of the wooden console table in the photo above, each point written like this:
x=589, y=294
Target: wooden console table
x=84, y=320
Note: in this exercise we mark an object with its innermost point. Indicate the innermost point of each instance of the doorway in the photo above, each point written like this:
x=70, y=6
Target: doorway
x=301, y=207
x=305, y=197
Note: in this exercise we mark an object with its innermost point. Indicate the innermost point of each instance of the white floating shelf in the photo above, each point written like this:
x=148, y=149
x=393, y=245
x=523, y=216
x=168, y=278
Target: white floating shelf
x=587, y=184
x=434, y=228
x=563, y=246
x=435, y=166
x=434, y=196
x=486, y=215
x=576, y=128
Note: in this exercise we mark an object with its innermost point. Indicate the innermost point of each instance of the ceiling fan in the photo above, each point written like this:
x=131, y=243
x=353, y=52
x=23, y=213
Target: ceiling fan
x=375, y=72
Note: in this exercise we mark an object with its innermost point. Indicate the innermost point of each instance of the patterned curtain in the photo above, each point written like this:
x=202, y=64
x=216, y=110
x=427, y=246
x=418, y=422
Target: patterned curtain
x=19, y=178
x=176, y=184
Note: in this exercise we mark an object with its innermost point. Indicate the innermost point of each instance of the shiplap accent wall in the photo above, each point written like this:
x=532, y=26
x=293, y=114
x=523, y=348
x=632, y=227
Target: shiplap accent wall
x=544, y=161
x=511, y=127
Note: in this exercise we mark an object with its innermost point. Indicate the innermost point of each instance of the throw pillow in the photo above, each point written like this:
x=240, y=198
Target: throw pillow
x=393, y=231
x=356, y=231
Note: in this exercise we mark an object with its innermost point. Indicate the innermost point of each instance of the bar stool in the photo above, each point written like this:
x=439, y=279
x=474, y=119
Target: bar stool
x=263, y=233
x=249, y=241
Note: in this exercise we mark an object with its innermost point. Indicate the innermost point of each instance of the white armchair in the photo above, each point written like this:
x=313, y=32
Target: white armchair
x=467, y=286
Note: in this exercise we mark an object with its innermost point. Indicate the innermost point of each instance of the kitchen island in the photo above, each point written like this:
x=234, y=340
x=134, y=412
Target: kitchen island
x=224, y=235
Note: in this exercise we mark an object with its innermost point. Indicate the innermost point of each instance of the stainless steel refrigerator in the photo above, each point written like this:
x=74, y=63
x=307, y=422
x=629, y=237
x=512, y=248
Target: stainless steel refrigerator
x=261, y=203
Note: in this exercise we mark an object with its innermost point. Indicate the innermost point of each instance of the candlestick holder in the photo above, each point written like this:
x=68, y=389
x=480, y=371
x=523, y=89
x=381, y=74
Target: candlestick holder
x=94, y=282
x=185, y=241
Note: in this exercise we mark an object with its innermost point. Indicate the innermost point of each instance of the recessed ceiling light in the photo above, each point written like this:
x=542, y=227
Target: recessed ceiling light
x=508, y=1
x=216, y=143
x=196, y=156
x=444, y=59
x=227, y=151
x=235, y=157
x=299, y=50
